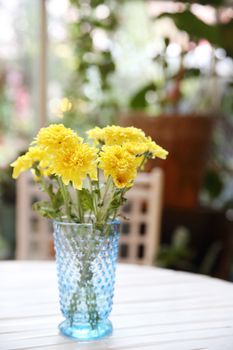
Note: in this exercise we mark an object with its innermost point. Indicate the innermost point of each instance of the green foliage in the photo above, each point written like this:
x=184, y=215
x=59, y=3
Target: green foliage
x=90, y=61
x=46, y=209
x=138, y=101
x=95, y=203
x=178, y=254
x=51, y=209
x=6, y=108
x=196, y=28
x=226, y=35
x=169, y=91
x=213, y=183
x=191, y=73
x=101, y=107
x=86, y=199
x=117, y=200
x=7, y=185
x=57, y=199
x=219, y=35
x=215, y=3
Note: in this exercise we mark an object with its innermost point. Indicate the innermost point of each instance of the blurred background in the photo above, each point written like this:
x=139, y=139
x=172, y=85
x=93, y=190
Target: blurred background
x=163, y=66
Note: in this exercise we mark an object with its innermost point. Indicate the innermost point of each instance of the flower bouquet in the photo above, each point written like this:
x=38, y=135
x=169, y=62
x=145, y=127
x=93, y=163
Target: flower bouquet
x=85, y=184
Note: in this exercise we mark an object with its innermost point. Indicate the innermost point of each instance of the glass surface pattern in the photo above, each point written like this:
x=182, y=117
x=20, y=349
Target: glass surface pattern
x=86, y=262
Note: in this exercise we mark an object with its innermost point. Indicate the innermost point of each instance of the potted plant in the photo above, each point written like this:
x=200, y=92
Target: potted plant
x=86, y=185
x=182, y=124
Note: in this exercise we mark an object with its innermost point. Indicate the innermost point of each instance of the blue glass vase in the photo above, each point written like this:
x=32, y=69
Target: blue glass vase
x=86, y=261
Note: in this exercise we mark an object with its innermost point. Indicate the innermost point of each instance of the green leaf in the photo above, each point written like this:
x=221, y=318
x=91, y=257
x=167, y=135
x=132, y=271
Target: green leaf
x=86, y=199
x=108, y=24
x=58, y=199
x=226, y=35
x=97, y=192
x=95, y=3
x=213, y=183
x=45, y=209
x=37, y=171
x=138, y=101
x=117, y=201
x=207, y=2
x=105, y=68
x=192, y=73
x=196, y=28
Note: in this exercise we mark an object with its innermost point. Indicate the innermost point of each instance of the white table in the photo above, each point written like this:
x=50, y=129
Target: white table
x=154, y=309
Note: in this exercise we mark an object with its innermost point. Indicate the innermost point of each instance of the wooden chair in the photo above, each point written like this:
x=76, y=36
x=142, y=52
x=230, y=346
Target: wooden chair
x=33, y=232
x=139, y=237
x=140, y=234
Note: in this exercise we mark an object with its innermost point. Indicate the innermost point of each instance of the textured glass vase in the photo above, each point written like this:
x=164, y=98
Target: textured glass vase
x=86, y=262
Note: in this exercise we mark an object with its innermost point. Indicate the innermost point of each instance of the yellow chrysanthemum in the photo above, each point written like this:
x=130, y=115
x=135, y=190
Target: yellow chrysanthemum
x=56, y=136
x=96, y=134
x=156, y=150
x=136, y=148
x=116, y=135
x=25, y=162
x=148, y=146
x=117, y=162
x=20, y=165
x=134, y=139
x=74, y=164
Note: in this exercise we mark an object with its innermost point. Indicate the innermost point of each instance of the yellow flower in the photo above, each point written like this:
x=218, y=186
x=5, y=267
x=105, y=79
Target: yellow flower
x=132, y=138
x=148, y=147
x=136, y=148
x=116, y=135
x=73, y=164
x=117, y=162
x=56, y=136
x=20, y=165
x=96, y=134
x=156, y=150
x=26, y=161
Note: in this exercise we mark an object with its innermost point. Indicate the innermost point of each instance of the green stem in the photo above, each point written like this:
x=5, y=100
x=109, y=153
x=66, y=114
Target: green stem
x=49, y=192
x=103, y=205
x=45, y=187
x=108, y=183
x=86, y=284
x=94, y=199
x=65, y=197
x=142, y=163
x=122, y=195
x=106, y=210
x=79, y=207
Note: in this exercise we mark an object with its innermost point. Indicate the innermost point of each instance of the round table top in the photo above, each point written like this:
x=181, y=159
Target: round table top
x=154, y=309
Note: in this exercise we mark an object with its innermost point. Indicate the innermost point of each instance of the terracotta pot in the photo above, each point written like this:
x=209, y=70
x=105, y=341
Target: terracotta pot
x=187, y=138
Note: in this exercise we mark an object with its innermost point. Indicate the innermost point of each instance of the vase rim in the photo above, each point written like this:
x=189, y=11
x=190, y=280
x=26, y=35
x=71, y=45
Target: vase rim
x=66, y=223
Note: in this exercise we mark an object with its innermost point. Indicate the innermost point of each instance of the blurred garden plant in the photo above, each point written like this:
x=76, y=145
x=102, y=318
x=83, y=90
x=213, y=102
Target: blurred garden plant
x=90, y=90
x=187, y=84
x=86, y=183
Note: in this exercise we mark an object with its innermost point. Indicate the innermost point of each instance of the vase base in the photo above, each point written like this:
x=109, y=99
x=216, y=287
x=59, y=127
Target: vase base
x=86, y=332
